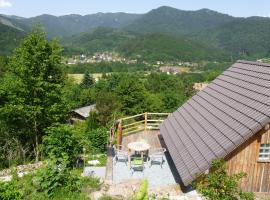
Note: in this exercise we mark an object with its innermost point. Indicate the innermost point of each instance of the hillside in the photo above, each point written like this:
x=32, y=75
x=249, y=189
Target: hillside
x=69, y=25
x=14, y=22
x=163, y=47
x=97, y=40
x=242, y=37
x=9, y=38
x=173, y=21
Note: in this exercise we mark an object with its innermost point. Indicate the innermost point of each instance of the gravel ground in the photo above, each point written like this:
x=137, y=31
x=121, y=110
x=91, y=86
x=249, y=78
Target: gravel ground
x=155, y=175
x=98, y=172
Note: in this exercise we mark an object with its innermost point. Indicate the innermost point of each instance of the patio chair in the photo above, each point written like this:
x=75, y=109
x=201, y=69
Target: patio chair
x=120, y=155
x=136, y=165
x=156, y=156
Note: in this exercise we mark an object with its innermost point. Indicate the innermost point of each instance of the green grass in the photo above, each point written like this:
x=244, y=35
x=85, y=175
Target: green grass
x=79, y=77
x=102, y=158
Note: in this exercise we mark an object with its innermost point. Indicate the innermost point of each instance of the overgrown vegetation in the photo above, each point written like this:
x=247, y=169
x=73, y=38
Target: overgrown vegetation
x=142, y=194
x=219, y=185
x=10, y=190
x=61, y=143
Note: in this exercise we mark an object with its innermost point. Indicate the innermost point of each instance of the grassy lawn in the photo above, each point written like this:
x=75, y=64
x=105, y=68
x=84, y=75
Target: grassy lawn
x=79, y=77
x=102, y=158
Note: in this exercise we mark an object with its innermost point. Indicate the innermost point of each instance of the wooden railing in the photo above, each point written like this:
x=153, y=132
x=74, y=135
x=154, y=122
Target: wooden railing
x=134, y=124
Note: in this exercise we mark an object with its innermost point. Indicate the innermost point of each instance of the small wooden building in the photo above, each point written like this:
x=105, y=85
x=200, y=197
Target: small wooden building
x=228, y=119
x=81, y=114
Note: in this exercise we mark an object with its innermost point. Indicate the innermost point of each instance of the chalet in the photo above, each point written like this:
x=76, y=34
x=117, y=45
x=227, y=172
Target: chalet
x=228, y=119
x=81, y=114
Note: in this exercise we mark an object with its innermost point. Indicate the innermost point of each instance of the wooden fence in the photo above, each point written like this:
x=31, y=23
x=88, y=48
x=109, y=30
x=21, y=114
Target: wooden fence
x=134, y=124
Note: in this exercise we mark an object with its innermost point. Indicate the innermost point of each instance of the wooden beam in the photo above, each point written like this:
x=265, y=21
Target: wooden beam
x=119, y=134
x=132, y=124
x=132, y=117
x=145, y=121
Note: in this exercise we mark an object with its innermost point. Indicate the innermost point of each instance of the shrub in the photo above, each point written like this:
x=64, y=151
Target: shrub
x=10, y=190
x=64, y=184
x=218, y=185
x=54, y=176
x=98, y=138
x=142, y=194
x=60, y=142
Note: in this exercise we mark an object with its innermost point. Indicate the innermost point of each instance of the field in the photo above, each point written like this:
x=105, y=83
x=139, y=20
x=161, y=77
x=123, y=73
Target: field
x=79, y=77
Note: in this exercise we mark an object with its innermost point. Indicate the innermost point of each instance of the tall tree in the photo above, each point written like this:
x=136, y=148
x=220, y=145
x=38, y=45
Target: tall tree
x=88, y=80
x=32, y=88
x=3, y=64
x=132, y=94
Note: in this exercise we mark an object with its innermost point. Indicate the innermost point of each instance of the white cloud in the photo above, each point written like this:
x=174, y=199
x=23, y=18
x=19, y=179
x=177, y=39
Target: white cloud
x=5, y=4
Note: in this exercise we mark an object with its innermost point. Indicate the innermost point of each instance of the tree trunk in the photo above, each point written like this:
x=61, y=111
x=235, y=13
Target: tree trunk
x=37, y=148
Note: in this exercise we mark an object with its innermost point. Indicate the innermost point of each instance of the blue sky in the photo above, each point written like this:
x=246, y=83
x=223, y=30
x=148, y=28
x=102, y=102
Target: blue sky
x=29, y=8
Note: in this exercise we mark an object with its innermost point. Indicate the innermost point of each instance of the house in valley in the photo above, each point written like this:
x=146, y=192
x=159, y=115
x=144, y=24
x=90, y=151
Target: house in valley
x=81, y=114
x=227, y=119
x=170, y=70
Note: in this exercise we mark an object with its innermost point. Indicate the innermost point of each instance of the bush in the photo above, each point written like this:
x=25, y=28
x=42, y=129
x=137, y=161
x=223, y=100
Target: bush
x=218, y=185
x=64, y=184
x=142, y=194
x=60, y=142
x=10, y=191
x=55, y=176
x=98, y=138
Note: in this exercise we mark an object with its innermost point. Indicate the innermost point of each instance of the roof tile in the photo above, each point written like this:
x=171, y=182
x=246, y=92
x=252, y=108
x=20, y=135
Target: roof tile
x=234, y=107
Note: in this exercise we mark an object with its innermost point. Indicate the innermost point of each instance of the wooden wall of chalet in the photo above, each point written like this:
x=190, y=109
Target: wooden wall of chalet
x=245, y=158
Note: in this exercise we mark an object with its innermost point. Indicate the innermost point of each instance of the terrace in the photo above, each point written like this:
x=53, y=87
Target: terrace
x=142, y=129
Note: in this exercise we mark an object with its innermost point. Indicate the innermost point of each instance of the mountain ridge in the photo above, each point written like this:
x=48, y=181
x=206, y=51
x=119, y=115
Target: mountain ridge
x=239, y=36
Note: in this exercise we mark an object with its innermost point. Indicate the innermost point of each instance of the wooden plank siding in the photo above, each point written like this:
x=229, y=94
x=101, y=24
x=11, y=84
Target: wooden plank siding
x=245, y=159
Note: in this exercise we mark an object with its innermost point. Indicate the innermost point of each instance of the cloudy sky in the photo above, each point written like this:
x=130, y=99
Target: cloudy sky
x=29, y=8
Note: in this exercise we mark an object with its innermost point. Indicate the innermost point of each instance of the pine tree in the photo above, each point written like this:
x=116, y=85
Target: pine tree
x=87, y=81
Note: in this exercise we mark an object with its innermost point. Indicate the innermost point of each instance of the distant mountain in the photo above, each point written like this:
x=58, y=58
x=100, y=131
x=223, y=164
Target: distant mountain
x=14, y=22
x=149, y=47
x=161, y=20
x=68, y=25
x=178, y=22
x=97, y=40
x=156, y=46
x=241, y=37
x=9, y=38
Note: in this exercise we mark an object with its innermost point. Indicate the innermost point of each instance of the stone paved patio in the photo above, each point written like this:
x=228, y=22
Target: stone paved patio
x=155, y=175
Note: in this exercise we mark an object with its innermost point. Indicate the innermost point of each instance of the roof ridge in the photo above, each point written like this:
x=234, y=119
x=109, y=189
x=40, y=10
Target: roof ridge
x=253, y=63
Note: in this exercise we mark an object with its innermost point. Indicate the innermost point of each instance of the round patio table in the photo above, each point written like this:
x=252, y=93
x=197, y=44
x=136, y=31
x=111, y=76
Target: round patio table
x=139, y=146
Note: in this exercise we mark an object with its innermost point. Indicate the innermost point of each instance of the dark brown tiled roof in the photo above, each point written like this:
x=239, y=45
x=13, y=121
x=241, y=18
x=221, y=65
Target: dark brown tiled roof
x=234, y=107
